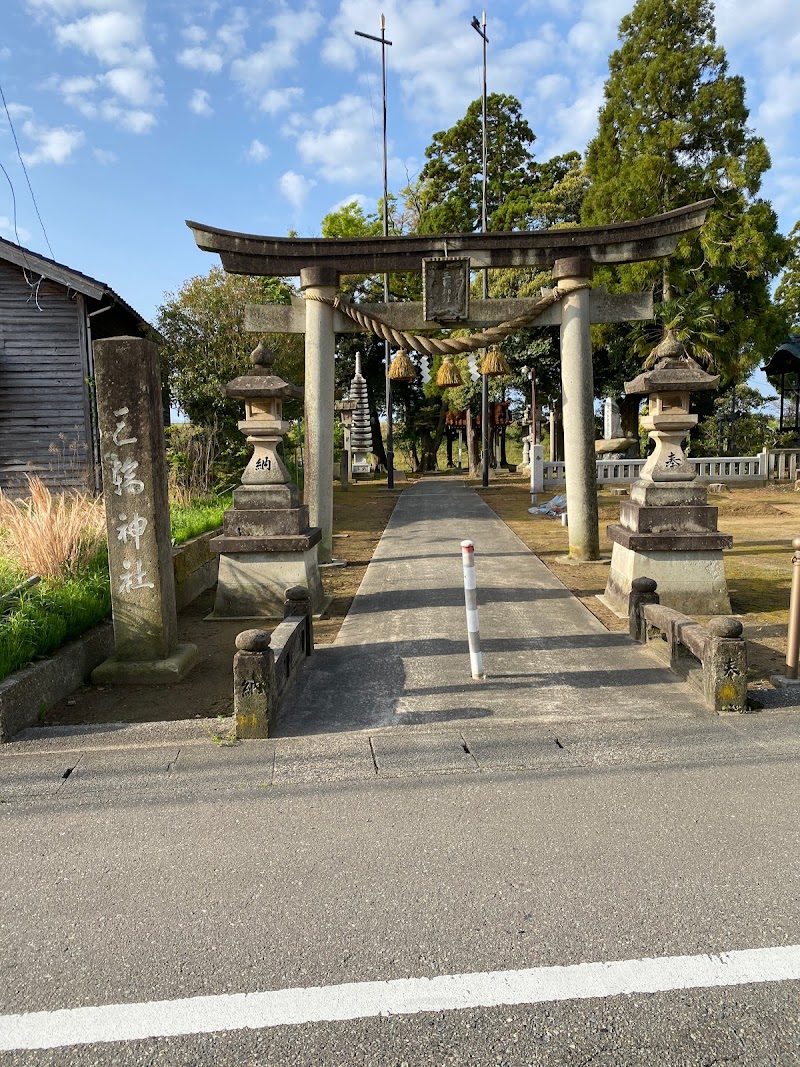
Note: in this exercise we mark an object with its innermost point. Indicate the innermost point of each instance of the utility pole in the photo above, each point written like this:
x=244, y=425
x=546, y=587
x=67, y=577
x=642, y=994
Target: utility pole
x=480, y=28
x=383, y=42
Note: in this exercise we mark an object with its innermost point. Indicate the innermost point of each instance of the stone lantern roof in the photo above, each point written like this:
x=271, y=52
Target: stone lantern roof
x=261, y=383
x=673, y=371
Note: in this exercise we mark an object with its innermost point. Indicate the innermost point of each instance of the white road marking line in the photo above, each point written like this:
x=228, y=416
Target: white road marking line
x=403, y=996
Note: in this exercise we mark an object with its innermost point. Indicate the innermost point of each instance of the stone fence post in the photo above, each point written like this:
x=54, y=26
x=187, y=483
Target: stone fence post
x=725, y=666
x=253, y=683
x=298, y=602
x=134, y=466
x=643, y=591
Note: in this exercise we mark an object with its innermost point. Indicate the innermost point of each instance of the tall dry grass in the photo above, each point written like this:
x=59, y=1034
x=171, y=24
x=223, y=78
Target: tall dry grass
x=56, y=535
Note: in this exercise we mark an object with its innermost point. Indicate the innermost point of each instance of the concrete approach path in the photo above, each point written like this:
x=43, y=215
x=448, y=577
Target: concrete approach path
x=401, y=656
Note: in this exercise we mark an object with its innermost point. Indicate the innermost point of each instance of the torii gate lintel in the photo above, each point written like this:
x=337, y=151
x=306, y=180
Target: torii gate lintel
x=570, y=253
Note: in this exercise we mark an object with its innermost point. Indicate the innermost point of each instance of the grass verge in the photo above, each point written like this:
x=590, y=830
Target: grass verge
x=60, y=537
x=197, y=517
x=57, y=610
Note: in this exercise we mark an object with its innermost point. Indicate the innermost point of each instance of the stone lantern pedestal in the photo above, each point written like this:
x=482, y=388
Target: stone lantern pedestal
x=667, y=531
x=267, y=544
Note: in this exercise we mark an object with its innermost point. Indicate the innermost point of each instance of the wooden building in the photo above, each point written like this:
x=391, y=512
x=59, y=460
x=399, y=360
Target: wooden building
x=49, y=316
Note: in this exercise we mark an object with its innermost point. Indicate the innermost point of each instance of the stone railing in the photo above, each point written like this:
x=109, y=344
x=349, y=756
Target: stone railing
x=783, y=464
x=766, y=466
x=266, y=665
x=712, y=657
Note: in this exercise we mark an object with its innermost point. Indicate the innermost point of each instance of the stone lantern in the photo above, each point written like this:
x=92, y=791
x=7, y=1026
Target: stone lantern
x=266, y=545
x=667, y=531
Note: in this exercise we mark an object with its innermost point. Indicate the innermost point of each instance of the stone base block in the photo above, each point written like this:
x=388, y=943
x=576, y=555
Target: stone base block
x=691, y=582
x=780, y=681
x=251, y=585
x=115, y=671
x=659, y=494
x=265, y=497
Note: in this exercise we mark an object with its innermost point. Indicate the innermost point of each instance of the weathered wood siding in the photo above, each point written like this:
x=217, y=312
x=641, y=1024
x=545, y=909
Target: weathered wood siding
x=43, y=409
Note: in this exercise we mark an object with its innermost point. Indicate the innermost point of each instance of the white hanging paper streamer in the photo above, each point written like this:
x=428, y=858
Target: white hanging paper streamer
x=425, y=365
x=472, y=363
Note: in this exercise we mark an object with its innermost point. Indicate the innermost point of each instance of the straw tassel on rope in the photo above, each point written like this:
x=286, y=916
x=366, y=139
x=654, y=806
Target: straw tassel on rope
x=448, y=376
x=402, y=369
x=494, y=364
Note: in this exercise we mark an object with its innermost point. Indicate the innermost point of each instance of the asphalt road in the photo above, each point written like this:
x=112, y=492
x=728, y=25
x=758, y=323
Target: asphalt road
x=136, y=886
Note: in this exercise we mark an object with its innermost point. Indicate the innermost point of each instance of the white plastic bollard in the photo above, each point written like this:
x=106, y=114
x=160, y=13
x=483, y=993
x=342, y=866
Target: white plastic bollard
x=471, y=601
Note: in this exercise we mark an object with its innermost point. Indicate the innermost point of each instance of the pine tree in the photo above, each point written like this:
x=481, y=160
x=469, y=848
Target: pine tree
x=673, y=130
x=787, y=295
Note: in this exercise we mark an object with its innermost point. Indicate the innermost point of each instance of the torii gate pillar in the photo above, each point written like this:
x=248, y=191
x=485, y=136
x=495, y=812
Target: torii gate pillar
x=577, y=391
x=319, y=402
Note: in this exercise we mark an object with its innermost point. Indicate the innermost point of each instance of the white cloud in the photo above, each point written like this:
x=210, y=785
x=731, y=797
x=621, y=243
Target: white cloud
x=200, y=103
x=782, y=187
x=132, y=85
x=207, y=60
x=52, y=144
x=357, y=198
x=111, y=37
x=256, y=152
x=19, y=111
x=552, y=86
x=574, y=124
x=231, y=33
x=210, y=54
x=781, y=103
x=275, y=100
x=133, y=120
x=7, y=230
x=195, y=34
x=111, y=32
x=747, y=23
x=295, y=187
x=104, y=157
x=339, y=140
x=255, y=72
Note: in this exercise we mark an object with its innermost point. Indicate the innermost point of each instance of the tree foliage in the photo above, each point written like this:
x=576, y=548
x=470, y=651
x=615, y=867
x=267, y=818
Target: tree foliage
x=205, y=346
x=673, y=130
x=787, y=295
x=520, y=192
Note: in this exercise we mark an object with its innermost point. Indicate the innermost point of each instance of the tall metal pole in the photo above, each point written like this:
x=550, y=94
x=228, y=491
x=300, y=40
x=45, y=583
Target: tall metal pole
x=480, y=27
x=386, y=351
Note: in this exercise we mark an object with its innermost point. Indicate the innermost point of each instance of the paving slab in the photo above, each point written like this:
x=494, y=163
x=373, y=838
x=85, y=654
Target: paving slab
x=401, y=656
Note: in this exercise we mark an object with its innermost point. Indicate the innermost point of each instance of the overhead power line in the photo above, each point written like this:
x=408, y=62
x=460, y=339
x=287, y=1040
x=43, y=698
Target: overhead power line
x=27, y=179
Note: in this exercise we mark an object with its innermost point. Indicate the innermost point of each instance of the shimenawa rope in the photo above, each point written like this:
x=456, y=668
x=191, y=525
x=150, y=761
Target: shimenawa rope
x=434, y=346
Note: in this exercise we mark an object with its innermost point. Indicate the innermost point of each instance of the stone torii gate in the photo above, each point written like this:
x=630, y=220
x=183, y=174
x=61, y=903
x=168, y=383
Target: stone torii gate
x=569, y=253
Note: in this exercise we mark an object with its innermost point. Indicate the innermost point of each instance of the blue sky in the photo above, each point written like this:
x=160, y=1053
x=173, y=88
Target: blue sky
x=133, y=116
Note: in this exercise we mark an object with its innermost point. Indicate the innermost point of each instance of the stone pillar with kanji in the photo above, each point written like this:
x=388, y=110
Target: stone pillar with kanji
x=134, y=466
